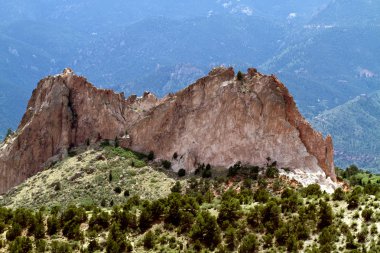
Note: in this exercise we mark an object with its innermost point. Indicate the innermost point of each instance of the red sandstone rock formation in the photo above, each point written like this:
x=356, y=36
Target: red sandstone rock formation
x=218, y=120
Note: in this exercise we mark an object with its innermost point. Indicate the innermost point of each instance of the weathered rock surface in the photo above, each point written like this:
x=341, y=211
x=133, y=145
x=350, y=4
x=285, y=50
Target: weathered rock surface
x=218, y=120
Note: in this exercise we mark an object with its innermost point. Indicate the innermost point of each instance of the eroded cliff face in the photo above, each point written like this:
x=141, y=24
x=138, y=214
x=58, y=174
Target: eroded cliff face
x=218, y=120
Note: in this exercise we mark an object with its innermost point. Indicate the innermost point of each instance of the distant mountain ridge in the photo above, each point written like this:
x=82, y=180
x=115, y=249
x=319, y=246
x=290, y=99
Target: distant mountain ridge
x=330, y=55
x=350, y=13
x=39, y=38
x=355, y=127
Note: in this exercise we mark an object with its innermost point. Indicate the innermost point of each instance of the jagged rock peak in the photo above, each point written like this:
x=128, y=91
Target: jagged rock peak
x=67, y=71
x=220, y=119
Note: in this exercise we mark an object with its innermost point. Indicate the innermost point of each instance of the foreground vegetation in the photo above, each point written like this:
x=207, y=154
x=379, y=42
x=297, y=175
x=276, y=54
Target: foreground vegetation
x=250, y=209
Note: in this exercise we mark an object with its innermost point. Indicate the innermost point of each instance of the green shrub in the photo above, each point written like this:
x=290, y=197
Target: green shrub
x=230, y=238
x=326, y=215
x=6, y=215
x=2, y=227
x=290, y=203
x=350, y=242
x=60, y=247
x=254, y=217
x=374, y=229
x=339, y=194
x=173, y=206
x=353, y=200
x=239, y=76
x=57, y=186
x=344, y=229
x=131, y=202
x=268, y=240
x=125, y=219
x=271, y=172
x=116, y=241
x=177, y=187
x=55, y=210
x=362, y=235
x=150, y=156
x=282, y=234
x=292, y=243
x=206, y=230
x=23, y=217
x=277, y=185
x=126, y=153
x=262, y=183
x=138, y=163
x=40, y=245
x=117, y=189
x=21, y=245
x=204, y=170
x=157, y=208
x=105, y=143
x=367, y=214
x=146, y=218
x=261, y=195
x=148, y=240
x=207, y=172
x=71, y=153
x=371, y=189
x=99, y=221
x=14, y=231
x=233, y=170
x=248, y=244
x=229, y=211
x=182, y=172
x=166, y=164
x=53, y=225
x=271, y=216
x=302, y=230
x=71, y=220
x=37, y=226
x=312, y=190
x=186, y=221
x=328, y=235
x=93, y=246
x=8, y=134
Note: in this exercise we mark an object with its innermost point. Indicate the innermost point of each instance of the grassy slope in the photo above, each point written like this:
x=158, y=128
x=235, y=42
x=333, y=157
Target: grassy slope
x=84, y=180
x=152, y=182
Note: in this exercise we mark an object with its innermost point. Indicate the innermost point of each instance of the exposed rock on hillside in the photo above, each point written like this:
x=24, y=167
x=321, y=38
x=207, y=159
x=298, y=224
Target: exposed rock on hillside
x=218, y=120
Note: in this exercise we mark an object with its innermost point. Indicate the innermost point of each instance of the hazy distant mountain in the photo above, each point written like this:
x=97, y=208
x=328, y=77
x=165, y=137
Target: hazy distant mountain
x=334, y=57
x=86, y=13
x=355, y=128
x=350, y=13
x=162, y=46
x=330, y=65
x=156, y=54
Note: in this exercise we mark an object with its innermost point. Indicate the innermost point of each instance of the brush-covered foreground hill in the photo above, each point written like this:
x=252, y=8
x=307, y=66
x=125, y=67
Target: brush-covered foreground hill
x=355, y=129
x=93, y=177
x=108, y=199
